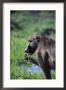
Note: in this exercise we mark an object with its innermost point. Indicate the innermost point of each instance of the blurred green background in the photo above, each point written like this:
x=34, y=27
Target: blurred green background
x=22, y=25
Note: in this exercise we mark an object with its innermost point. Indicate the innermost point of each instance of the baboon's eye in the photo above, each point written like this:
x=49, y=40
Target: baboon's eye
x=30, y=40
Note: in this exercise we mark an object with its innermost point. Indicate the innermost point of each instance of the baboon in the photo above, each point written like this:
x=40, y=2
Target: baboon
x=45, y=50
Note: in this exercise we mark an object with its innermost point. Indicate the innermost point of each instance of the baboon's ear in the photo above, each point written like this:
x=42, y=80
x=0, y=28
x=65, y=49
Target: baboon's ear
x=38, y=38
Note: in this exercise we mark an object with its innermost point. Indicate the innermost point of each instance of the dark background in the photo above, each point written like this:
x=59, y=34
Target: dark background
x=1, y=35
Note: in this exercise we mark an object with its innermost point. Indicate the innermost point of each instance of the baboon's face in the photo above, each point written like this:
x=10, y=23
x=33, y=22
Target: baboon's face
x=32, y=46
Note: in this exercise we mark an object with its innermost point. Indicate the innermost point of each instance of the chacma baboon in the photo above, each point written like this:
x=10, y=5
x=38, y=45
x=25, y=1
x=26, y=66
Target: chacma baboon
x=45, y=49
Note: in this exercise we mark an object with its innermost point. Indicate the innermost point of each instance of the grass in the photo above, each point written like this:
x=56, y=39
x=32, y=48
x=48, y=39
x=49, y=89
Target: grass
x=23, y=26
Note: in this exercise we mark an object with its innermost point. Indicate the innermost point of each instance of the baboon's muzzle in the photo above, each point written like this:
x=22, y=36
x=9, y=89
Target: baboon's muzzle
x=30, y=50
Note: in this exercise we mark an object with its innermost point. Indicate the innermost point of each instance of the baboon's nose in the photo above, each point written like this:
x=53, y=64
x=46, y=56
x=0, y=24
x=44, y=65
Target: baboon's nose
x=26, y=50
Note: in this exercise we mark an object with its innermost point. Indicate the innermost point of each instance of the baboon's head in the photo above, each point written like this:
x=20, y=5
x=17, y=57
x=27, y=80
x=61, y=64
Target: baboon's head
x=33, y=44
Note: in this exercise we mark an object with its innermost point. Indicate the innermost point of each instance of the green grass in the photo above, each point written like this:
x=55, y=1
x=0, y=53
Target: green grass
x=20, y=72
x=23, y=26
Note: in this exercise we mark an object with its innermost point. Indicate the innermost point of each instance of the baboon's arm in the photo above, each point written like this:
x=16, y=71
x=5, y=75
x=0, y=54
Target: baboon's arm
x=34, y=61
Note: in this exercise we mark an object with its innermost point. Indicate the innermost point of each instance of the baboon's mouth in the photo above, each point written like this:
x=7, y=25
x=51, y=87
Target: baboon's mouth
x=28, y=52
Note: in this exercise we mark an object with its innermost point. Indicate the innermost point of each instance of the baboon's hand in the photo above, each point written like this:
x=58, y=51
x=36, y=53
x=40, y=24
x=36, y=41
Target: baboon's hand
x=27, y=57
